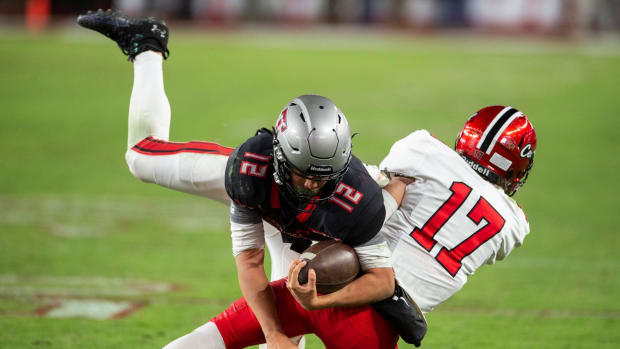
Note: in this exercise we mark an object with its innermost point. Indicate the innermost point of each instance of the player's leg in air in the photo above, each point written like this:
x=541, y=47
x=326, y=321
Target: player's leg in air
x=192, y=167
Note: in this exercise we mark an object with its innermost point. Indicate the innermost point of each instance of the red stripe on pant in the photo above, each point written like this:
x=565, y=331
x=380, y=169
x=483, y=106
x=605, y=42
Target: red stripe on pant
x=338, y=328
x=152, y=146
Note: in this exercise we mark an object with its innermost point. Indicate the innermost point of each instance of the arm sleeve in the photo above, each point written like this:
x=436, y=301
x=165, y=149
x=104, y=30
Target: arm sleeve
x=371, y=247
x=390, y=204
x=246, y=227
x=374, y=253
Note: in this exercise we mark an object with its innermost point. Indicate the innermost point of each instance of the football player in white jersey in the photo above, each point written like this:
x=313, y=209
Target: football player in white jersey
x=458, y=214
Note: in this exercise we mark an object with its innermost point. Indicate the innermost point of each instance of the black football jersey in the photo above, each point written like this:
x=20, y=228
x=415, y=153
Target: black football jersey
x=354, y=214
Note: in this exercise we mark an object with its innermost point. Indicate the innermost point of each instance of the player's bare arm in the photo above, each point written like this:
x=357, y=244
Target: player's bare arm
x=248, y=248
x=374, y=285
x=259, y=295
x=396, y=187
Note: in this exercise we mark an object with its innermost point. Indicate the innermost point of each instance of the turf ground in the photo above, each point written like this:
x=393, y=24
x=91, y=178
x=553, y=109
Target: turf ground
x=75, y=225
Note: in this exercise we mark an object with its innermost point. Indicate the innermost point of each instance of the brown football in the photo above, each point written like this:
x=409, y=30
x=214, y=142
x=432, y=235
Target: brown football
x=334, y=263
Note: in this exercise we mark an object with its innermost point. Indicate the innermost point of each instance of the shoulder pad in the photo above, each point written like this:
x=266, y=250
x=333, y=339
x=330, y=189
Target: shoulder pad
x=263, y=130
x=358, y=178
x=368, y=212
x=249, y=171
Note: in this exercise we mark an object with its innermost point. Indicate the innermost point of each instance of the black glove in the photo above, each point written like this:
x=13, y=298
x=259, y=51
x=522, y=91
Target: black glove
x=402, y=312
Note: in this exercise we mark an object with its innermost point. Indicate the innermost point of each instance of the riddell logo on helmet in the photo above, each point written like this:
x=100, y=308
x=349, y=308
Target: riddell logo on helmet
x=477, y=167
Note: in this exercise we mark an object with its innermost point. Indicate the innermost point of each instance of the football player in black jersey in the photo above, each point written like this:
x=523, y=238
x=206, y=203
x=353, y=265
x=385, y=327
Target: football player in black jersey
x=302, y=178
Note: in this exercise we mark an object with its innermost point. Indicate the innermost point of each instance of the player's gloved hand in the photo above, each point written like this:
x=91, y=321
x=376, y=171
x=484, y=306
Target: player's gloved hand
x=378, y=175
x=305, y=294
x=404, y=314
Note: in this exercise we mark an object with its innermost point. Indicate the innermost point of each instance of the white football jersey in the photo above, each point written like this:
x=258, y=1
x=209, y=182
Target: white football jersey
x=451, y=220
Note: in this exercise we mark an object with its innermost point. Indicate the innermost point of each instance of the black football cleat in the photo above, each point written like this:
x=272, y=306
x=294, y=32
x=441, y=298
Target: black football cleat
x=133, y=35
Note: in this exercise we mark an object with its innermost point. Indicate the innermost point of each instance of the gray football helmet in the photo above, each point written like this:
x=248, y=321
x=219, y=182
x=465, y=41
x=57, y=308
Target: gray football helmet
x=311, y=136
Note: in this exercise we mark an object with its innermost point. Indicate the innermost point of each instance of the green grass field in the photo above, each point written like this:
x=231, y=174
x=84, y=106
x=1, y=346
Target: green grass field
x=75, y=225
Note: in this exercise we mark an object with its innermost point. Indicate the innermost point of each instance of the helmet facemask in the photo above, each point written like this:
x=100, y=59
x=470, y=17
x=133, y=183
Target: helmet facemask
x=519, y=181
x=283, y=170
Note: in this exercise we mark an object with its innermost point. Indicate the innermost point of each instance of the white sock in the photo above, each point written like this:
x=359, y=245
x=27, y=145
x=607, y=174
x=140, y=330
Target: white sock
x=206, y=336
x=149, y=109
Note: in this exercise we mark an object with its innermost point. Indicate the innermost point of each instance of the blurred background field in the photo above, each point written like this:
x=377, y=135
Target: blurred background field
x=91, y=257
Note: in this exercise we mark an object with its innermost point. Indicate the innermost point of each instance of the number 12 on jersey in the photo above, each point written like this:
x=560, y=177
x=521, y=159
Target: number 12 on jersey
x=451, y=259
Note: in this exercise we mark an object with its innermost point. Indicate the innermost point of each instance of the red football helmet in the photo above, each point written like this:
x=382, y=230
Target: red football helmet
x=499, y=144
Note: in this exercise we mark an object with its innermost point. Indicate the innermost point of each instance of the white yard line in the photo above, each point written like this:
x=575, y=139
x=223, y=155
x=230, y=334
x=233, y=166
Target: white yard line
x=91, y=217
x=17, y=286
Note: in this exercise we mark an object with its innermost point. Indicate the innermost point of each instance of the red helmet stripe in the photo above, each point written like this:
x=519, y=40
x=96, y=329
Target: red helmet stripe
x=495, y=128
